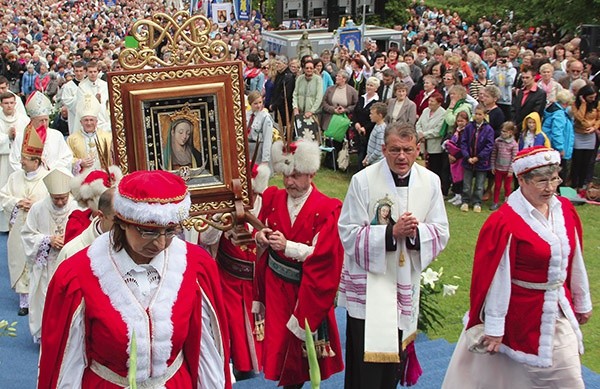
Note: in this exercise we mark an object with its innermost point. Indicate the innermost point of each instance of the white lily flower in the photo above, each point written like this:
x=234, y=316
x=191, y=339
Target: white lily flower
x=449, y=290
x=429, y=277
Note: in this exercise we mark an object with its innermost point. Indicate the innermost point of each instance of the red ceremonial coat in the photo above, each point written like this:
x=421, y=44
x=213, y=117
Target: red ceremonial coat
x=534, y=257
x=77, y=223
x=83, y=302
x=238, y=295
x=313, y=299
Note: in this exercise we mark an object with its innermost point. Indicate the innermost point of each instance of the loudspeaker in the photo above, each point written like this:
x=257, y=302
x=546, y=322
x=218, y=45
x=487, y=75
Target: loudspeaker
x=590, y=39
x=333, y=14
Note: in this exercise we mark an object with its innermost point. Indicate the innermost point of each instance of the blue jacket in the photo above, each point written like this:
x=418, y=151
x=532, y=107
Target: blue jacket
x=477, y=143
x=558, y=127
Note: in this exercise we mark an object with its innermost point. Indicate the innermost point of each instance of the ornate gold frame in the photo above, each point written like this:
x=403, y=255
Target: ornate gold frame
x=206, y=74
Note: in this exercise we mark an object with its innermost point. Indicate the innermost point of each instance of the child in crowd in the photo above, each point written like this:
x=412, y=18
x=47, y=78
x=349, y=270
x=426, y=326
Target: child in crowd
x=377, y=116
x=505, y=150
x=476, y=146
x=532, y=134
x=455, y=157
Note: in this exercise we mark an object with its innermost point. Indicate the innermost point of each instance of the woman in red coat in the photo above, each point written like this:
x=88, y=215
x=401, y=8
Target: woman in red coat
x=138, y=283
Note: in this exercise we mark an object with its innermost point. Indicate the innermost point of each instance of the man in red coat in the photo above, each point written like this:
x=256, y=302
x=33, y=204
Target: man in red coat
x=299, y=271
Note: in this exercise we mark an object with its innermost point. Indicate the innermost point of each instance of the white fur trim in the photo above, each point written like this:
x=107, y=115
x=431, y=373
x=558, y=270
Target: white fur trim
x=261, y=181
x=306, y=159
x=132, y=313
x=539, y=159
x=156, y=213
x=557, y=271
x=87, y=194
x=122, y=300
x=90, y=193
x=161, y=307
x=294, y=326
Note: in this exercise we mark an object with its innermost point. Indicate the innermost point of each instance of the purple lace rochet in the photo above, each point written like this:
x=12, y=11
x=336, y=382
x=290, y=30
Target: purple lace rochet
x=42, y=256
x=13, y=215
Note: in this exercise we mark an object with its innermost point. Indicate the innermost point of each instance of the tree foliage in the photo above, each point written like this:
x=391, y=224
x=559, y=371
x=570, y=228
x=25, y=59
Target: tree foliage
x=562, y=15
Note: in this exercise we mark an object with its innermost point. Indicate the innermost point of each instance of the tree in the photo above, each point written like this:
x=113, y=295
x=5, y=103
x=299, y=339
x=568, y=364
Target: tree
x=563, y=16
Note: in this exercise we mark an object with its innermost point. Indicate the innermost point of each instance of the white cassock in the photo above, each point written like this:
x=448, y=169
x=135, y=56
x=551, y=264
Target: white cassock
x=20, y=186
x=18, y=121
x=69, y=98
x=87, y=87
x=56, y=151
x=43, y=221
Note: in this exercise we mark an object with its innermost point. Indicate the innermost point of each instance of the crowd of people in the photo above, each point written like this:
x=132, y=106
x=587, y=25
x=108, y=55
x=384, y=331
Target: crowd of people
x=478, y=103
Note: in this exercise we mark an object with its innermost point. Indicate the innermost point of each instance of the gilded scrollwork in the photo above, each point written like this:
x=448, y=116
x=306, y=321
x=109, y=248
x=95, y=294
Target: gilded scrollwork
x=173, y=40
x=201, y=223
x=177, y=49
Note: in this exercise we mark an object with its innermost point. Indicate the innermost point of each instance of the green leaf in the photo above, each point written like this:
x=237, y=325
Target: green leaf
x=313, y=364
x=131, y=374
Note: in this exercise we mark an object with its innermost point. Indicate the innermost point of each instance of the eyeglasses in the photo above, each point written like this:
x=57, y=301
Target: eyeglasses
x=396, y=151
x=153, y=234
x=543, y=184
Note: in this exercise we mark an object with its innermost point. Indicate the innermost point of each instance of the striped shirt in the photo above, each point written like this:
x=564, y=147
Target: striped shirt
x=375, y=144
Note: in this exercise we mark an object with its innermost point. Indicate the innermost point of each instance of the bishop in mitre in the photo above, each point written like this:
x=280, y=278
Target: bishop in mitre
x=24, y=187
x=43, y=238
x=91, y=147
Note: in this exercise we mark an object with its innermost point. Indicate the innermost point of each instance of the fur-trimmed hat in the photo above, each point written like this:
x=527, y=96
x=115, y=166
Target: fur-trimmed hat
x=260, y=177
x=89, y=186
x=302, y=156
x=38, y=105
x=534, y=157
x=156, y=198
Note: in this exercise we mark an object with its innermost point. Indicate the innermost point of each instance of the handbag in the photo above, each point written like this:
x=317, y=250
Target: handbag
x=593, y=192
x=474, y=337
x=337, y=127
x=343, y=159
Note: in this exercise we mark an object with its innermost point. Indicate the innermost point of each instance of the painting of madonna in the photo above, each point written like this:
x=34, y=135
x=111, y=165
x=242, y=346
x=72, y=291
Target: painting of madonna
x=179, y=150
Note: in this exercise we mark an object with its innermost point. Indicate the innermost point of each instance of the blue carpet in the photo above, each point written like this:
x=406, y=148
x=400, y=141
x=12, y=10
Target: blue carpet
x=19, y=356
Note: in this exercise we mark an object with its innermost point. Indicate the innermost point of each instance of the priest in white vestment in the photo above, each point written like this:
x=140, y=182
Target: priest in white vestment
x=24, y=187
x=43, y=236
x=393, y=224
x=11, y=124
x=70, y=94
x=98, y=88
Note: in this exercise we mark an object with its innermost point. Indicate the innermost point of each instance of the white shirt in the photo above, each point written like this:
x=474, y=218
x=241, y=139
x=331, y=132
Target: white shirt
x=143, y=280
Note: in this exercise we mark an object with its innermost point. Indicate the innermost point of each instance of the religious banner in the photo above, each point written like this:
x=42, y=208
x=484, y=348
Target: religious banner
x=221, y=13
x=351, y=38
x=243, y=9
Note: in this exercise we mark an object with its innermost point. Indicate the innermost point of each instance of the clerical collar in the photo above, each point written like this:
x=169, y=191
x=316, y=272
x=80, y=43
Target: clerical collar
x=400, y=181
x=32, y=174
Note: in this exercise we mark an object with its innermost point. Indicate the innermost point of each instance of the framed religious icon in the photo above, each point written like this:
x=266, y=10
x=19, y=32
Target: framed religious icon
x=187, y=120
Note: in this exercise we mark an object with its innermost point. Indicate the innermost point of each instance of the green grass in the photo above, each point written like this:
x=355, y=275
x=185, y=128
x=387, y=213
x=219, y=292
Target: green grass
x=457, y=260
